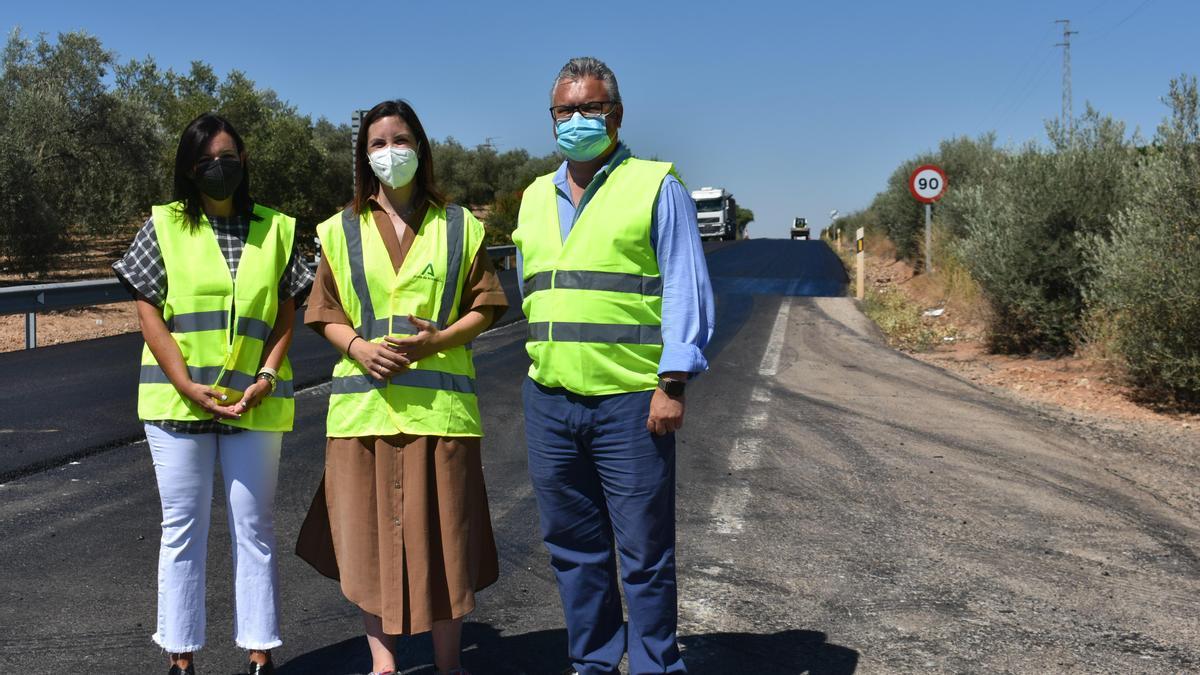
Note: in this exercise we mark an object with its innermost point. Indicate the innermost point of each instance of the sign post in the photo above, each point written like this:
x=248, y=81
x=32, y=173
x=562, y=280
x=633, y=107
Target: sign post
x=861, y=275
x=927, y=184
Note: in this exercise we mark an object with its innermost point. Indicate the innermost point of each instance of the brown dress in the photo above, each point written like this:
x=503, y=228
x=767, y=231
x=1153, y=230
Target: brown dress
x=402, y=521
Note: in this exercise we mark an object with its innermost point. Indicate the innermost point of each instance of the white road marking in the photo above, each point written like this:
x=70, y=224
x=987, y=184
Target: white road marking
x=746, y=454
x=732, y=500
x=728, y=507
x=770, y=362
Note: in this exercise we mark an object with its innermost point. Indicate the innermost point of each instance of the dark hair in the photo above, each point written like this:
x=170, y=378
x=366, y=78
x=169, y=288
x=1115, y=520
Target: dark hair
x=192, y=144
x=366, y=183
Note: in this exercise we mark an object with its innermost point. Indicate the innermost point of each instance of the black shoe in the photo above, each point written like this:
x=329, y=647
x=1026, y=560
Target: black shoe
x=176, y=670
x=267, y=668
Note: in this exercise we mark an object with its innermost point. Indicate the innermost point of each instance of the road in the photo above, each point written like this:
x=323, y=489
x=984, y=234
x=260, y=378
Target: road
x=70, y=401
x=842, y=508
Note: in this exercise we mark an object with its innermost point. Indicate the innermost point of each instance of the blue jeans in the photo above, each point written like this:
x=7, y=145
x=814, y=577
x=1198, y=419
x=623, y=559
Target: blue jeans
x=598, y=474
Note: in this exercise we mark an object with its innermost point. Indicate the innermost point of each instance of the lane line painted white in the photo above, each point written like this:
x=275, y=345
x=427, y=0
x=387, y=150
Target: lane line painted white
x=728, y=508
x=770, y=361
x=747, y=453
x=756, y=420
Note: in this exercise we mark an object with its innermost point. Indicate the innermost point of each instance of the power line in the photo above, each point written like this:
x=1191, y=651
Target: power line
x=1017, y=83
x=1130, y=15
x=1030, y=87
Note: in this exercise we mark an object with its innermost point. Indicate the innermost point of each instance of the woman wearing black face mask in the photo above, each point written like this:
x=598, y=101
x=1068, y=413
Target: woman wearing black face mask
x=217, y=279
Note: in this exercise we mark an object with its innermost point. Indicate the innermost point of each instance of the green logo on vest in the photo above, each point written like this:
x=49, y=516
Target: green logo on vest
x=428, y=272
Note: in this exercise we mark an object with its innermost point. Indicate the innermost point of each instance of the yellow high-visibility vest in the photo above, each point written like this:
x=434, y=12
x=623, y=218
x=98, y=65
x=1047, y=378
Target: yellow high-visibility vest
x=220, y=323
x=436, y=395
x=594, y=302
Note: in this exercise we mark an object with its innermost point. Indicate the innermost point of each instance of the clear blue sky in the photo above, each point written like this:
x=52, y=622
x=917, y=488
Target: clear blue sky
x=797, y=107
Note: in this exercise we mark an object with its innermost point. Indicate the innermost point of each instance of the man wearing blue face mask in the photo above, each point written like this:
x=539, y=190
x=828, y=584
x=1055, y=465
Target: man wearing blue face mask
x=619, y=304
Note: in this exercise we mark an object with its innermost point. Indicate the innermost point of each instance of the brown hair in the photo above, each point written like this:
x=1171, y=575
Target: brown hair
x=366, y=184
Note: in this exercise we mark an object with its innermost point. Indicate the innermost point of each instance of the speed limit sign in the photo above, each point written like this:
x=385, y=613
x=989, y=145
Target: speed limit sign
x=927, y=183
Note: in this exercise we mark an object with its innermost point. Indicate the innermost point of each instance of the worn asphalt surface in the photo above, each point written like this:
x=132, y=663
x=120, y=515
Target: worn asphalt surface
x=842, y=509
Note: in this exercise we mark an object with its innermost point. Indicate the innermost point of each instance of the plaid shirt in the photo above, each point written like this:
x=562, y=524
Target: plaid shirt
x=144, y=274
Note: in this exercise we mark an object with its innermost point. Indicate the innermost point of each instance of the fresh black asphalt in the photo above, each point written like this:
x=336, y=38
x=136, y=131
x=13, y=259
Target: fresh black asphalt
x=65, y=402
x=842, y=508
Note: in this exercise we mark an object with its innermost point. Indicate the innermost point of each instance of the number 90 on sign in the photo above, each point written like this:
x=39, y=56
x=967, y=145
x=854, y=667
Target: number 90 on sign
x=927, y=183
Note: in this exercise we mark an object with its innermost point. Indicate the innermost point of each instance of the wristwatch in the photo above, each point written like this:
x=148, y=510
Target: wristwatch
x=671, y=386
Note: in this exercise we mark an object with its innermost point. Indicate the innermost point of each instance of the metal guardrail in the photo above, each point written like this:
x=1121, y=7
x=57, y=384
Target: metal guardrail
x=502, y=251
x=34, y=298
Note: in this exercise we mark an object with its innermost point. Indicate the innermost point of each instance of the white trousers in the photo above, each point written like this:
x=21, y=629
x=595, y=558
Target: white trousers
x=183, y=465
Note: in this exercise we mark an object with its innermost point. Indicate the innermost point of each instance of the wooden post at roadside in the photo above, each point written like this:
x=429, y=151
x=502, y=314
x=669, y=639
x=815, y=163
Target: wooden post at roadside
x=858, y=246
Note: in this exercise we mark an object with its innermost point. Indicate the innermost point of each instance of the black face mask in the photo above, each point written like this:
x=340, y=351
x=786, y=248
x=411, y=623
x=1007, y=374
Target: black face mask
x=219, y=178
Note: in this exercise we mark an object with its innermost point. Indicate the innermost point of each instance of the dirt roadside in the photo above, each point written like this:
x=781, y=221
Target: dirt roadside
x=91, y=258
x=69, y=326
x=950, y=527
x=952, y=336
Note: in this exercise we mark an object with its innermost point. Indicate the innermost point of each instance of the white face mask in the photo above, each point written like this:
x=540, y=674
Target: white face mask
x=395, y=166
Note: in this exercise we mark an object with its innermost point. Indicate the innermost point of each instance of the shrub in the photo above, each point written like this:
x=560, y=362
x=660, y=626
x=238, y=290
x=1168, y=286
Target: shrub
x=1023, y=231
x=1144, y=301
x=30, y=229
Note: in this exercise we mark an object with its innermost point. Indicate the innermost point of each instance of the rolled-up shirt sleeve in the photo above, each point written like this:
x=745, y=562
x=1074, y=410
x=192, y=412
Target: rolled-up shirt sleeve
x=687, y=301
x=297, y=278
x=141, y=270
x=324, y=302
x=482, y=288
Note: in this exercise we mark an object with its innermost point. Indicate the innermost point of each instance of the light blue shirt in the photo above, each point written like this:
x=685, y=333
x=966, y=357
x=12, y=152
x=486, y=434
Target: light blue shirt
x=687, y=298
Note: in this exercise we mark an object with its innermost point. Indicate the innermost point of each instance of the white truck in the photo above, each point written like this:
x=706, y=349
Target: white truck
x=716, y=214
x=800, y=228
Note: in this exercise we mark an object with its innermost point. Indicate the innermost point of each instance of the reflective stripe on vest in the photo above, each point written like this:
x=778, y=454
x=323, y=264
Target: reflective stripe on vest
x=565, y=331
x=423, y=379
x=153, y=374
x=594, y=301
x=372, y=328
x=196, y=322
x=436, y=395
x=203, y=300
x=616, y=282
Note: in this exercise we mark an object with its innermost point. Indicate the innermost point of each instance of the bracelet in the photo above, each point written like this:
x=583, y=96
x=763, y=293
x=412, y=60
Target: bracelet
x=269, y=371
x=351, y=342
x=269, y=377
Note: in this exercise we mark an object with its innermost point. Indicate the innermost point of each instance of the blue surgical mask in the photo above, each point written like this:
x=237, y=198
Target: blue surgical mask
x=582, y=138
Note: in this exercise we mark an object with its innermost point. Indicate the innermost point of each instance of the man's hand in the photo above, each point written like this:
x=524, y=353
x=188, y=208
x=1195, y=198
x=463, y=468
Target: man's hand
x=666, y=413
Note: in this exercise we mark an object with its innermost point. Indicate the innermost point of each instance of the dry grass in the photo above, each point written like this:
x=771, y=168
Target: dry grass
x=897, y=299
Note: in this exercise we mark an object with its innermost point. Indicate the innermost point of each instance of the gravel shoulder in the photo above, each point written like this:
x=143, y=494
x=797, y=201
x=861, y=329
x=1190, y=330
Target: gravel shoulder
x=942, y=526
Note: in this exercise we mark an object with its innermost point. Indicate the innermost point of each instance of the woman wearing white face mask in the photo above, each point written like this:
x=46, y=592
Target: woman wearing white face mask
x=404, y=284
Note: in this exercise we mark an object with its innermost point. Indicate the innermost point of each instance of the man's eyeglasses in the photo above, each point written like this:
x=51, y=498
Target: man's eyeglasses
x=592, y=109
